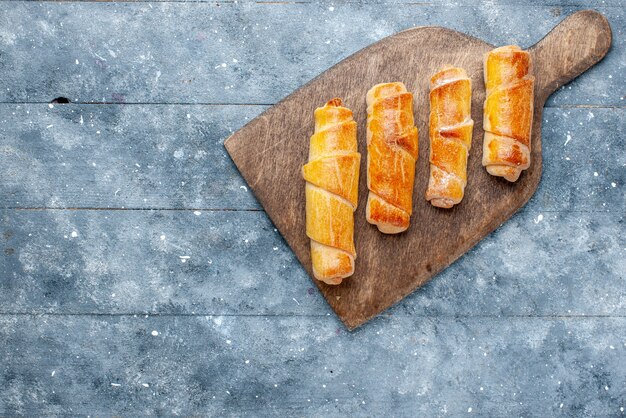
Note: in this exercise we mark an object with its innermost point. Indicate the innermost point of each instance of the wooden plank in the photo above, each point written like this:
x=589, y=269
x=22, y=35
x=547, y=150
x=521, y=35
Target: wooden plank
x=391, y=267
x=301, y=362
x=243, y=52
x=210, y=366
x=98, y=261
x=403, y=3
x=121, y=156
x=54, y=167
x=583, y=168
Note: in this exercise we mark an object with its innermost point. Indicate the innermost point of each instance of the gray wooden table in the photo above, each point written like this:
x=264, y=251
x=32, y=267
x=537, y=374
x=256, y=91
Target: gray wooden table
x=139, y=276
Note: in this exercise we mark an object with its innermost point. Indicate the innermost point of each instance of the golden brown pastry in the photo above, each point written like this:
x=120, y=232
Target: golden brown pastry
x=391, y=155
x=450, y=136
x=332, y=186
x=508, y=110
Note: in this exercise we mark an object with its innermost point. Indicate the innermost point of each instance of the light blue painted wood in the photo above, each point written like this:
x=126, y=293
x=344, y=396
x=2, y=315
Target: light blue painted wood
x=121, y=156
x=260, y=366
x=247, y=53
x=528, y=323
x=186, y=262
x=147, y=156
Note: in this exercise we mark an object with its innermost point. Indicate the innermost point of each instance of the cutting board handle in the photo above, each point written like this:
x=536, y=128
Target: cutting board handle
x=578, y=42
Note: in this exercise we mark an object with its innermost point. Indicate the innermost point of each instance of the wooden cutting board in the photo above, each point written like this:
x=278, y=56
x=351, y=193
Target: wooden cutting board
x=270, y=151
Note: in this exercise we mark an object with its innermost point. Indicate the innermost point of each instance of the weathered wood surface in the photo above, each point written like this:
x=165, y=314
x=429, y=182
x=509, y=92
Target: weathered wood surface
x=183, y=165
x=245, y=52
x=566, y=312
x=121, y=156
x=271, y=150
x=395, y=3
x=181, y=262
x=254, y=366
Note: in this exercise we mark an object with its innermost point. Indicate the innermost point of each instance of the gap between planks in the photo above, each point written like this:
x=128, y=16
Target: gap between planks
x=320, y=315
x=209, y=104
x=106, y=103
x=521, y=210
x=510, y=3
x=16, y=208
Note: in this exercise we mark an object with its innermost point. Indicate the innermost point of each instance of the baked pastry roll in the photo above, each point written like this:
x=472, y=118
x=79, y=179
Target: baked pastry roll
x=450, y=136
x=332, y=185
x=392, y=150
x=508, y=112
